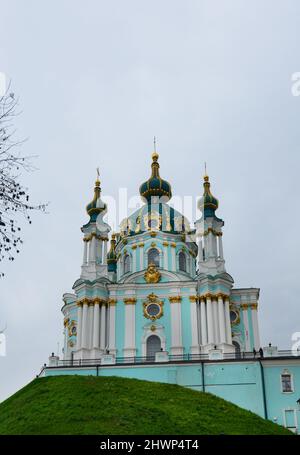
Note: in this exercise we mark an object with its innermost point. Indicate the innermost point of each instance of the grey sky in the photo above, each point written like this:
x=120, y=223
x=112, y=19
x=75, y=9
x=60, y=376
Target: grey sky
x=97, y=79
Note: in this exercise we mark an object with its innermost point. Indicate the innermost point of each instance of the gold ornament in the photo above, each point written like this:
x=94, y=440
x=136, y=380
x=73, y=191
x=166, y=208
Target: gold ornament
x=152, y=275
x=130, y=301
x=175, y=299
x=152, y=299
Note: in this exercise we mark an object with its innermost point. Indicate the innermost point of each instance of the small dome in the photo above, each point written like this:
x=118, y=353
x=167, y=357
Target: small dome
x=111, y=255
x=155, y=186
x=208, y=204
x=96, y=206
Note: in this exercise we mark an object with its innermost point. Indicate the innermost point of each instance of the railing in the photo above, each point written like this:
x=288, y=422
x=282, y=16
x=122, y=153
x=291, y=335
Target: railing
x=238, y=356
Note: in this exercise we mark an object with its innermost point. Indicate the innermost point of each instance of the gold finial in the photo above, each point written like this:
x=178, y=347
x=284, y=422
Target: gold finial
x=206, y=177
x=155, y=155
x=98, y=175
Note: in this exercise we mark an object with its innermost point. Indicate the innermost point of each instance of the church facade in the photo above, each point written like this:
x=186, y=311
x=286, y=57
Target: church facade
x=155, y=302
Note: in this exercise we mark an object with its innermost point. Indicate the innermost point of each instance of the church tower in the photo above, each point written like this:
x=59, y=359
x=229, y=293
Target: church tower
x=95, y=238
x=214, y=284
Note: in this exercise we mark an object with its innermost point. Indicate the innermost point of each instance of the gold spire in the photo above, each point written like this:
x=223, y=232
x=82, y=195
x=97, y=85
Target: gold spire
x=97, y=183
x=155, y=155
x=206, y=177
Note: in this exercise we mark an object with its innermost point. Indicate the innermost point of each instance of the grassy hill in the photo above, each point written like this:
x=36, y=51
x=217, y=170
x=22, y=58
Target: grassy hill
x=111, y=405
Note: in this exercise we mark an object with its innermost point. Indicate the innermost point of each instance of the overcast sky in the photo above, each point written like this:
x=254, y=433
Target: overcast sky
x=97, y=80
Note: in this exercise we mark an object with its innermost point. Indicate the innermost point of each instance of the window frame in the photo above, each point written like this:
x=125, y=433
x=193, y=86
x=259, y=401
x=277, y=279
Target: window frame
x=126, y=257
x=153, y=248
x=287, y=373
x=183, y=254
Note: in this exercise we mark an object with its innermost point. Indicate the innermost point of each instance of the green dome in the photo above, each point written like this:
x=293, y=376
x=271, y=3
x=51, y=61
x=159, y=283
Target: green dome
x=208, y=204
x=96, y=206
x=111, y=255
x=155, y=186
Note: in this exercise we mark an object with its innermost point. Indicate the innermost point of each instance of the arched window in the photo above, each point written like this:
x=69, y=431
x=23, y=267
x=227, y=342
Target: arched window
x=153, y=257
x=286, y=382
x=127, y=263
x=182, y=261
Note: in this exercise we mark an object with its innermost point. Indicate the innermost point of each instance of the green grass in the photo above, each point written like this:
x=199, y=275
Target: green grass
x=113, y=405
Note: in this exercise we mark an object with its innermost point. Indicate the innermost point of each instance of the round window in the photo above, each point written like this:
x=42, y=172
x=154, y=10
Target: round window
x=153, y=309
x=234, y=317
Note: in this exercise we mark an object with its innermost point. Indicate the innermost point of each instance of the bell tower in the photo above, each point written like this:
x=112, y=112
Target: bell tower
x=209, y=234
x=95, y=238
x=214, y=284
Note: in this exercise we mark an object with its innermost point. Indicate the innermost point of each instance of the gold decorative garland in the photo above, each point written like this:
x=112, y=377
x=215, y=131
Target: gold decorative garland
x=175, y=299
x=91, y=301
x=93, y=234
x=213, y=231
x=129, y=300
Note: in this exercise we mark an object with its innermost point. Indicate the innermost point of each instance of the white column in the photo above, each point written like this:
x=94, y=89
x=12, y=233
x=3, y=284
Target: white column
x=194, y=326
x=216, y=320
x=210, y=322
x=118, y=269
x=134, y=267
x=100, y=251
x=214, y=240
x=103, y=324
x=84, y=325
x=93, y=245
x=129, y=342
x=227, y=322
x=79, y=326
x=141, y=257
x=166, y=265
x=200, y=250
x=104, y=252
x=112, y=327
x=221, y=320
x=221, y=254
x=173, y=259
x=255, y=326
x=203, y=322
x=176, y=334
x=85, y=252
x=210, y=245
x=96, y=328
x=244, y=308
x=90, y=326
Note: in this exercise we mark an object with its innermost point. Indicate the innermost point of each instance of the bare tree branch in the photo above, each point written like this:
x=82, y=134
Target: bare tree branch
x=14, y=198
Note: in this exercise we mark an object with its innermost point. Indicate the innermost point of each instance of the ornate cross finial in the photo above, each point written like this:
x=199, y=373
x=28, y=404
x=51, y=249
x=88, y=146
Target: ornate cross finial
x=154, y=144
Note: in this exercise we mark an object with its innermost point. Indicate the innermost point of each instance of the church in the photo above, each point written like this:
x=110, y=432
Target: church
x=154, y=301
